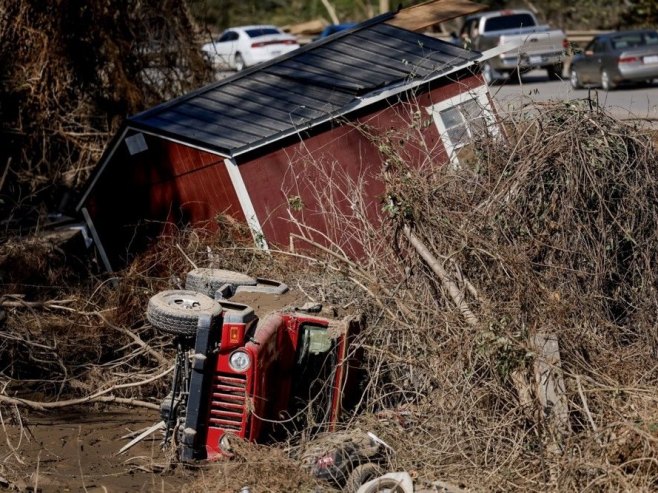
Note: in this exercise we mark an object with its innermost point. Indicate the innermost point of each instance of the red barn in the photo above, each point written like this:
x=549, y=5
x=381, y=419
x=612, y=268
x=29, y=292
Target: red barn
x=289, y=138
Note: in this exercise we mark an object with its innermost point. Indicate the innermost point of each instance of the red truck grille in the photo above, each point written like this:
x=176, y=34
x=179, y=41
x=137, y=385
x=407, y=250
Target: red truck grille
x=228, y=402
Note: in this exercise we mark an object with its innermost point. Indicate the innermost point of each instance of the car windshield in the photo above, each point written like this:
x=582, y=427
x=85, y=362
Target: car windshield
x=503, y=22
x=633, y=40
x=261, y=31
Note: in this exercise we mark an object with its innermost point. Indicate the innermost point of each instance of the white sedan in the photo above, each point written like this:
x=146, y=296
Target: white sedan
x=244, y=46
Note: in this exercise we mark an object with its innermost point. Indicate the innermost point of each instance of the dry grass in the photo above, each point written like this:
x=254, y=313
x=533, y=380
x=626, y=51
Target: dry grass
x=69, y=76
x=551, y=230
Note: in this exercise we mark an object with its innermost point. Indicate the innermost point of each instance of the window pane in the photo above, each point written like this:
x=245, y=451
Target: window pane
x=458, y=135
x=463, y=121
x=503, y=22
x=262, y=31
x=452, y=117
x=473, y=113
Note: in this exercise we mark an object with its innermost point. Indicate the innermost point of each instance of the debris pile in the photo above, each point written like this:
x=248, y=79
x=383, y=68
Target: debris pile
x=510, y=303
x=71, y=72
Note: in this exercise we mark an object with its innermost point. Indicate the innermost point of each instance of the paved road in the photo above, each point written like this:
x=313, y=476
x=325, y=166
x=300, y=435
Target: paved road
x=631, y=102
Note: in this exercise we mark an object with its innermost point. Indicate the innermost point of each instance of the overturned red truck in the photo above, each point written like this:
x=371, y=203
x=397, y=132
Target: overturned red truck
x=240, y=376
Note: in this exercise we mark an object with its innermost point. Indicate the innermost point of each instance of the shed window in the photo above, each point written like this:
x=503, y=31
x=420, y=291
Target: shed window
x=462, y=119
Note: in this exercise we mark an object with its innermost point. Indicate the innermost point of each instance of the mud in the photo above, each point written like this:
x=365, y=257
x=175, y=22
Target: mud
x=78, y=451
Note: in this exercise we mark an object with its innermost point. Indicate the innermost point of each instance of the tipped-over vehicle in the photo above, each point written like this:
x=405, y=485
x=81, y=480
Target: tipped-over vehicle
x=617, y=58
x=239, y=376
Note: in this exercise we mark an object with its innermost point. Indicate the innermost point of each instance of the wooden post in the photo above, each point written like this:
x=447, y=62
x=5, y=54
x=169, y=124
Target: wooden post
x=551, y=395
x=550, y=382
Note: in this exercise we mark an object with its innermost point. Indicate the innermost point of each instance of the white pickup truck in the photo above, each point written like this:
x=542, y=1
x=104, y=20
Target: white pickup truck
x=531, y=45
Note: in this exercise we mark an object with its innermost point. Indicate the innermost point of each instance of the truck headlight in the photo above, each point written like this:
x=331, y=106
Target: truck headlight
x=225, y=444
x=239, y=361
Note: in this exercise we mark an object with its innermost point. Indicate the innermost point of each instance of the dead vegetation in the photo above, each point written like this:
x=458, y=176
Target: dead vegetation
x=545, y=238
x=547, y=235
x=70, y=72
x=550, y=233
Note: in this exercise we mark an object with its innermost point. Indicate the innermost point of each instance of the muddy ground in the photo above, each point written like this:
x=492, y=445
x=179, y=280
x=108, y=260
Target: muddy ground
x=72, y=450
x=77, y=450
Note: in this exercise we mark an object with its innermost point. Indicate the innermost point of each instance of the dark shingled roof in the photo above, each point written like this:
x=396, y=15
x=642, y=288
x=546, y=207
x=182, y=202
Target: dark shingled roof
x=303, y=88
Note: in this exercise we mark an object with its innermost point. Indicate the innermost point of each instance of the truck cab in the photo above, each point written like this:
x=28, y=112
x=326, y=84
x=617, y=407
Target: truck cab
x=238, y=376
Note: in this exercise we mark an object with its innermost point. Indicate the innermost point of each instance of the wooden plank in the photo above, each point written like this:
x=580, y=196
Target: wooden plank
x=550, y=382
x=310, y=27
x=420, y=17
x=552, y=397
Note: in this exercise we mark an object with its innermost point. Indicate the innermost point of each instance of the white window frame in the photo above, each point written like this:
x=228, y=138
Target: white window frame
x=481, y=96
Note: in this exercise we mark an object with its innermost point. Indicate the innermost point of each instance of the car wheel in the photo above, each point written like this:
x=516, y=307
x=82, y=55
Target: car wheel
x=239, y=62
x=555, y=71
x=362, y=474
x=575, y=80
x=177, y=311
x=208, y=281
x=515, y=76
x=606, y=82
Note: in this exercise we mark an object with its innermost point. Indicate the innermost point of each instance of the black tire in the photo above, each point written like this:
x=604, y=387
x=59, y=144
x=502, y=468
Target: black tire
x=607, y=83
x=575, y=80
x=555, y=71
x=208, y=281
x=239, y=63
x=177, y=311
x=515, y=76
x=362, y=474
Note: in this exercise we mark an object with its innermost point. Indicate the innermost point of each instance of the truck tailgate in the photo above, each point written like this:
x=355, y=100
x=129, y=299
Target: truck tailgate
x=535, y=43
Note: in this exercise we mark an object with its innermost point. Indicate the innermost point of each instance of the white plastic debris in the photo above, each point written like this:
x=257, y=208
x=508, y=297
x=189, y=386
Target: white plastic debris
x=392, y=482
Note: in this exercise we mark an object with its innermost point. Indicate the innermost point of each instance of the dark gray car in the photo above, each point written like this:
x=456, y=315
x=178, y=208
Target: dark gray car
x=616, y=58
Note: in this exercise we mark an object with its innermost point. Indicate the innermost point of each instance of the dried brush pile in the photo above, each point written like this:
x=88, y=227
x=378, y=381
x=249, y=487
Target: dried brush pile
x=70, y=72
x=511, y=339
x=550, y=234
x=530, y=265
x=64, y=339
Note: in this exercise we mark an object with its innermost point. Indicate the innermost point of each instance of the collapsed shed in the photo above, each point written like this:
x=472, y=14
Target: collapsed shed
x=257, y=146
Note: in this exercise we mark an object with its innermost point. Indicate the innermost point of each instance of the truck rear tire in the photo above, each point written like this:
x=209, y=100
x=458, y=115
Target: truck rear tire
x=208, y=281
x=177, y=311
x=555, y=71
x=489, y=74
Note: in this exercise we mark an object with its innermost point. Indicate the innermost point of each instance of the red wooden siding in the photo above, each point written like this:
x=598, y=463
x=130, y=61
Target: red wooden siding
x=168, y=183
x=321, y=172
x=331, y=181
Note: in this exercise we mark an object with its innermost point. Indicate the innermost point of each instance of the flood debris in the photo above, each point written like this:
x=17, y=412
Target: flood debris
x=549, y=238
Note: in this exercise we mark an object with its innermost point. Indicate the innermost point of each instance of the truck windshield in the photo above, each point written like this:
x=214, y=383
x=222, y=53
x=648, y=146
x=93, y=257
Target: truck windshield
x=503, y=22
